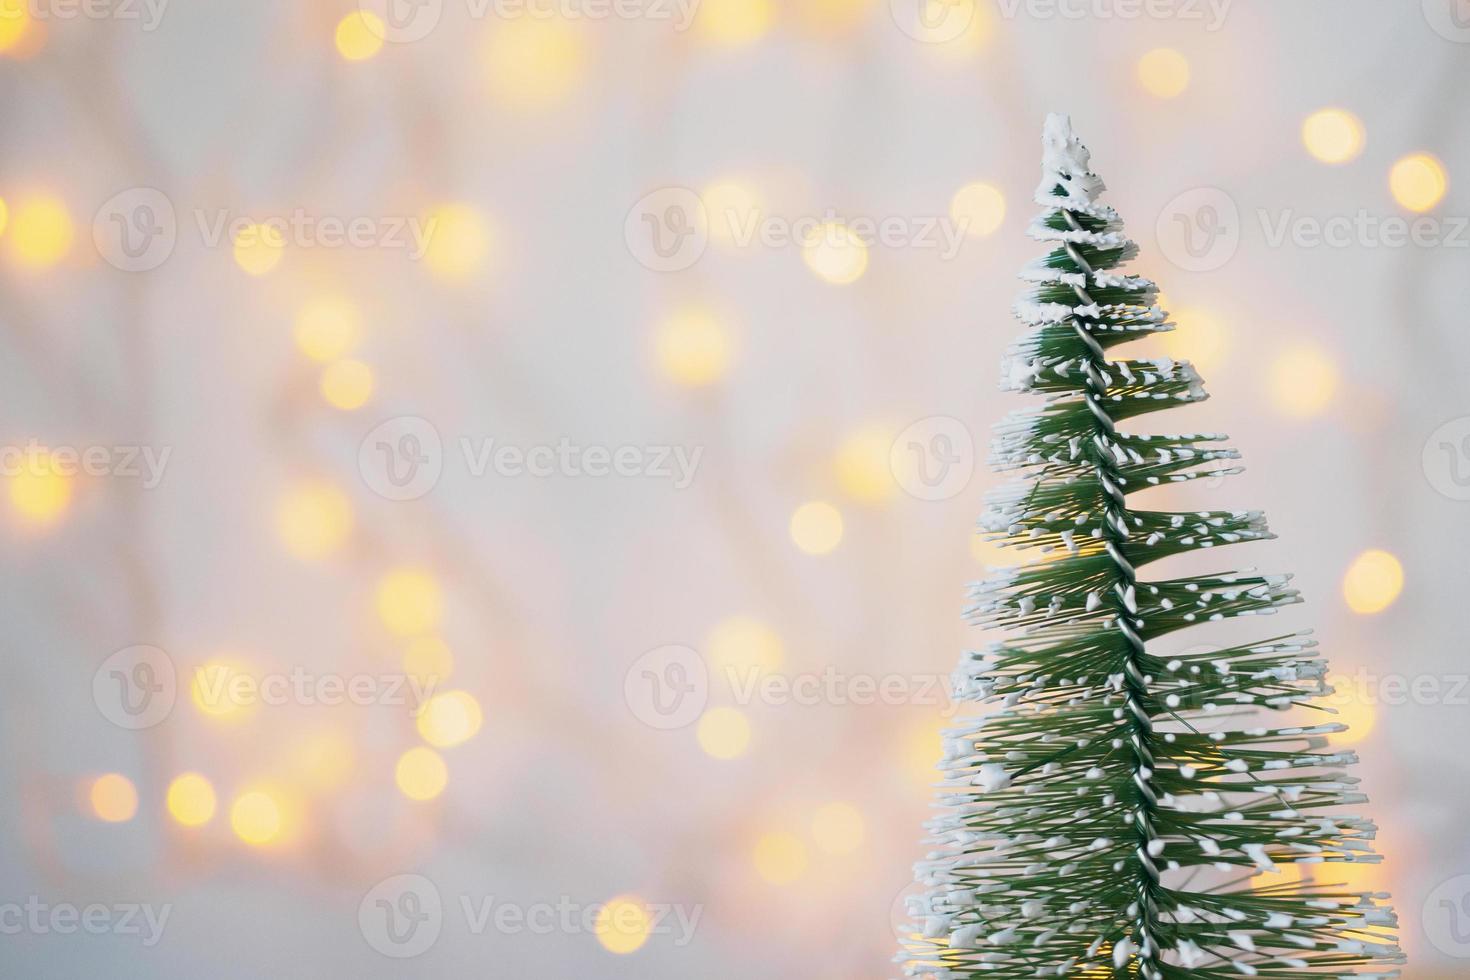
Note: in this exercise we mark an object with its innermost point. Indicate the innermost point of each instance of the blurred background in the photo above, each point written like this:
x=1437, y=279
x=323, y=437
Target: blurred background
x=488, y=485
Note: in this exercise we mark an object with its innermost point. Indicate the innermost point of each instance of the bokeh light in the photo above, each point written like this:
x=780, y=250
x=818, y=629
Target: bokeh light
x=256, y=817
x=1353, y=700
x=40, y=233
x=1302, y=380
x=1372, y=582
x=724, y=733
x=313, y=520
x=4, y=208
x=978, y=208
x=816, y=527
x=832, y=17
x=113, y=798
x=733, y=209
x=421, y=774
x=862, y=465
x=191, y=800
x=347, y=384
x=409, y=601
x=780, y=858
x=40, y=491
x=258, y=248
x=428, y=659
x=623, y=925
x=1199, y=337
x=360, y=35
x=1333, y=135
x=327, y=328
x=217, y=694
x=734, y=22
x=535, y=62
x=450, y=719
x=838, y=828
x=835, y=253
x=1418, y=181
x=693, y=348
x=15, y=22
x=741, y=643
x=458, y=242
x=1164, y=72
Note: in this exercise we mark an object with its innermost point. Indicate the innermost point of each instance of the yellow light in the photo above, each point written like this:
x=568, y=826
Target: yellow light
x=952, y=30
x=734, y=22
x=1302, y=380
x=838, y=828
x=360, y=35
x=327, y=328
x=1333, y=135
x=977, y=208
x=15, y=21
x=113, y=797
x=256, y=817
x=693, y=348
x=733, y=209
x=313, y=520
x=535, y=63
x=458, y=242
x=1199, y=337
x=409, y=602
x=1373, y=581
x=450, y=719
x=428, y=659
x=816, y=527
x=258, y=248
x=925, y=747
x=992, y=555
x=1164, y=72
x=347, y=384
x=835, y=254
x=724, y=733
x=742, y=643
x=40, y=492
x=421, y=774
x=1352, y=699
x=325, y=759
x=862, y=465
x=4, y=208
x=623, y=925
x=40, y=232
x=191, y=799
x=833, y=16
x=1418, y=181
x=780, y=858
x=213, y=691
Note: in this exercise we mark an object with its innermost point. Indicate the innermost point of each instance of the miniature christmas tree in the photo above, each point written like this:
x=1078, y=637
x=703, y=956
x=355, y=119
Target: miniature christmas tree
x=1118, y=813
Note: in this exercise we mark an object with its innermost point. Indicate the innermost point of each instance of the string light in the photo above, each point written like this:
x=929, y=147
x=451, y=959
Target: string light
x=978, y=208
x=40, y=232
x=780, y=858
x=724, y=733
x=816, y=527
x=450, y=719
x=741, y=643
x=1302, y=380
x=1372, y=582
x=1333, y=135
x=347, y=384
x=623, y=925
x=835, y=253
x=258, y=248
x=734, y=22
x=360, y=35
x=40, y=491
x=113, y=797
x=421, y=774
x=534, y=63
x=458, y=242
x=862, y=465
x=256, y=817
x=693, y=348
x=409, y=602
x=1164, y=73
x=838, y=828
x=191, y=800
x=327, y=328
x=1418, y=181
x=313, y=520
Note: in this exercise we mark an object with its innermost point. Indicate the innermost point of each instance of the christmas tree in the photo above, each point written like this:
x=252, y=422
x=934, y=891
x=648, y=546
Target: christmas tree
x=1116, y=812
